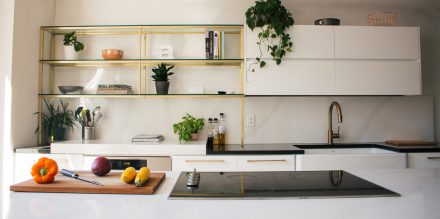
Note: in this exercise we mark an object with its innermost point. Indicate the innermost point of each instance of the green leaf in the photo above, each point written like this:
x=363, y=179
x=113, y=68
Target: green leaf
x=273, y=19
x=262, y=64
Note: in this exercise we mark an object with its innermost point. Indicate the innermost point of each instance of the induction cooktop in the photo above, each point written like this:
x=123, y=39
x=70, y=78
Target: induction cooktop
x=292, y=184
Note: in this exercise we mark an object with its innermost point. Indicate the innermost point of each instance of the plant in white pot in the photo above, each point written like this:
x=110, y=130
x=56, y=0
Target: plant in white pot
x=72, y=46
x=161, y=73
x=189, y=127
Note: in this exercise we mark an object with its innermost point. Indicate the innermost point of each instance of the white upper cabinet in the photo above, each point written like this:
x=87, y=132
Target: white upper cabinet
x=377, y=77
x=293, y=77
x=340, y=60
x=366, y=42
x=308, y=42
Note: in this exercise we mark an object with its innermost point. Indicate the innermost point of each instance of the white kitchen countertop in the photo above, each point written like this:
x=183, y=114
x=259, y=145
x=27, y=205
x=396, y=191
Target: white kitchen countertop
x=420, y=190
x=127, y=148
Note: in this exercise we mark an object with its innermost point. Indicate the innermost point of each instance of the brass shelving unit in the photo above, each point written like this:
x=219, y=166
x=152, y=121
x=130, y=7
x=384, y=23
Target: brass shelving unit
x=143, y=32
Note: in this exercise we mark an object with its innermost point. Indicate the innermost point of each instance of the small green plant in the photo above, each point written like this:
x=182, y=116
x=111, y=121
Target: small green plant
x=187, y=126
x=273, y=19
x=56, y=117
x=70, y=39
x=161, y=72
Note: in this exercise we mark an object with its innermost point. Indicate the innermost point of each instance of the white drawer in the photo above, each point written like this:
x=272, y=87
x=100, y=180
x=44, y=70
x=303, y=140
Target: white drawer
x=424, y=160
x=204, y=163
x=266, y=163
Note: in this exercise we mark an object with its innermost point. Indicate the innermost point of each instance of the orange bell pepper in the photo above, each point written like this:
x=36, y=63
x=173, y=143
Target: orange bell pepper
x=44, y=170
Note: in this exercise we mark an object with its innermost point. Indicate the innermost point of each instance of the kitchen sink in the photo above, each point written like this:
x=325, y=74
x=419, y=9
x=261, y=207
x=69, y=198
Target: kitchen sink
x=348, y=157
x=344, y=149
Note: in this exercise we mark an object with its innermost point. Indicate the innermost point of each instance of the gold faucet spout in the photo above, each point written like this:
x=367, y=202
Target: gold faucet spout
x=332, y=135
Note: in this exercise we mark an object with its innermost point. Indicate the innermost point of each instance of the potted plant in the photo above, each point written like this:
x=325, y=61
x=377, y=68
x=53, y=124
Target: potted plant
x=72, y=46
x=161, y=73
x=273, y=19
x=56, y=121
x=189, y=127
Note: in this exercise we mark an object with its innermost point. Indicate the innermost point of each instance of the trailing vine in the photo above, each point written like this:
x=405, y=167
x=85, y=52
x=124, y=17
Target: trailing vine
x=272, y=18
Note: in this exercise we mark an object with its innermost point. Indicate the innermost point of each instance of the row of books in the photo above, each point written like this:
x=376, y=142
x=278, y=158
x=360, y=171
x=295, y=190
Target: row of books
x=215, y=44
x=114, y=89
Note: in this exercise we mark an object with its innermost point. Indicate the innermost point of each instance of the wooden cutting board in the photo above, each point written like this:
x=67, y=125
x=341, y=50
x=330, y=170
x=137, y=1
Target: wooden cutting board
x=111, y=184
x=409, y=142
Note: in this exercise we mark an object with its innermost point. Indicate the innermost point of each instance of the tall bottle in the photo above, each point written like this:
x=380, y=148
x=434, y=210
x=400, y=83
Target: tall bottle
x=222, y=130
x=216, y=136
x=210, y=133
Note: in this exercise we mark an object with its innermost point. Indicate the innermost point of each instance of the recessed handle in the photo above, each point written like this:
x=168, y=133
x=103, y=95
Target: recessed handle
x=204, y=161
x=261, y=161
x=433, y=158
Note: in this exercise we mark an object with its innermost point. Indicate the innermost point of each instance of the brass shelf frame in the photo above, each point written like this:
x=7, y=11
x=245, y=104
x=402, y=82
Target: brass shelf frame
x=141, y=63
x=143, y=96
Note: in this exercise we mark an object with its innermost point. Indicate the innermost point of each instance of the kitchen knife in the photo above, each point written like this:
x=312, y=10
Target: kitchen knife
x=72, y=174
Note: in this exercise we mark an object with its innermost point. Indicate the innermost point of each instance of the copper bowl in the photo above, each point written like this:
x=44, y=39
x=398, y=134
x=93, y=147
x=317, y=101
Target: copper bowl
x=112, y=54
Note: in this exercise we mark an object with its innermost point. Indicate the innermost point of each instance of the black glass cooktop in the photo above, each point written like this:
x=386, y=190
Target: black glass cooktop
x=292, y=184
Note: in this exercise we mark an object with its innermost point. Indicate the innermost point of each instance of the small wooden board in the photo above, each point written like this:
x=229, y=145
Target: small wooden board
x=112, y=184
x=409, y=143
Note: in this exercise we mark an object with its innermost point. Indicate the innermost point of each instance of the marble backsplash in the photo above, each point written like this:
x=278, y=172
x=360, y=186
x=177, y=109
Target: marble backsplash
x=278, y=119
x=365, y=119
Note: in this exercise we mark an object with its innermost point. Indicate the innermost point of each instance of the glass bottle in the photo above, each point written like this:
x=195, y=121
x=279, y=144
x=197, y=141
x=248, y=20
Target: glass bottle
x=215, y=132
x=222, y=129
x=210, y=132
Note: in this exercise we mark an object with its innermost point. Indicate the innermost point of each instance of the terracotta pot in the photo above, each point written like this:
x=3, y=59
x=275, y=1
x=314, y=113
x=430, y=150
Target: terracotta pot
x=195, y=136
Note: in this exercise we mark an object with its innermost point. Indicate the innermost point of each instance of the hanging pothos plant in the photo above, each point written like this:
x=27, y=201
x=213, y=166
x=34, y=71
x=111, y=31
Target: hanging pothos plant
x=273, y=19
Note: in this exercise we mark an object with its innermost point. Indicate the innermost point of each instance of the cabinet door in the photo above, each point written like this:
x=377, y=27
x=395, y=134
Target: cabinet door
x=308, y=42
x=377, y=42
x=424, y=160
x=266, y=163
x=292, y=77
x=204, y=163
x=362, y=77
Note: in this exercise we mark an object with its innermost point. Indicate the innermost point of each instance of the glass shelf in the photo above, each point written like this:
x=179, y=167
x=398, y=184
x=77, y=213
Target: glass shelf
x=131, y=62
x=141, y=95
x=145, y=29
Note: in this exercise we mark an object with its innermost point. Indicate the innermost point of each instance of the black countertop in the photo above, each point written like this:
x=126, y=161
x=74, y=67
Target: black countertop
x=292, y=148
x=400, y=149
x=232, y=149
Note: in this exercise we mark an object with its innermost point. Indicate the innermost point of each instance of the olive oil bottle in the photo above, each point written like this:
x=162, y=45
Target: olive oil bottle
x=222, y=130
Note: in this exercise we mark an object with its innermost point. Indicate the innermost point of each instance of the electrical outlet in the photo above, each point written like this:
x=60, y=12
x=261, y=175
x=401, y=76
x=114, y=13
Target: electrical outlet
x=250, y=121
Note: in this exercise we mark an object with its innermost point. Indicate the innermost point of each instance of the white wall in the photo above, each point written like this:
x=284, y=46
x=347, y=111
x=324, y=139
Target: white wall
x=6, y=38
x=29, y=16
x=410, y=13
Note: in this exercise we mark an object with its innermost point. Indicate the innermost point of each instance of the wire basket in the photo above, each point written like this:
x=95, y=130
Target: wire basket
x=382, y=19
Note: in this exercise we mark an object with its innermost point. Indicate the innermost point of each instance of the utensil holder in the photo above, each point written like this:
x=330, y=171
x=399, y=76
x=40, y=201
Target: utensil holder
x=88, y=133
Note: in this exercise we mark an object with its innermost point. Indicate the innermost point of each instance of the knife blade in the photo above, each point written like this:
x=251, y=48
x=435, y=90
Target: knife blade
x=72, y=174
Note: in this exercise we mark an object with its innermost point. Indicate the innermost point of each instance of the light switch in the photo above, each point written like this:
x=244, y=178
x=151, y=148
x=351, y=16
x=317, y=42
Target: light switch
x=250, y=121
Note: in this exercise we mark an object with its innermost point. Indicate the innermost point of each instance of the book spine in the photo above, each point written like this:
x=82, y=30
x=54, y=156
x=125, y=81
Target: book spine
x=211, y=44
x=216, y=36
x=222, y=42
x=207, y=44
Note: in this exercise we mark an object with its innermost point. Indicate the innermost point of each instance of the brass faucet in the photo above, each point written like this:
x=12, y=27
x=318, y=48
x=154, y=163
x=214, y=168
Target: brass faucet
x=332, y=135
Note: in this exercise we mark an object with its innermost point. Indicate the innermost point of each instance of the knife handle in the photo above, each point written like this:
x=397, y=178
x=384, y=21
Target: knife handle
x=69, y=173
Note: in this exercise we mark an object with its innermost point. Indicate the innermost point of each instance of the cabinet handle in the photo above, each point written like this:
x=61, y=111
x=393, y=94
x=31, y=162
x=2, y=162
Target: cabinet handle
x=259, y=161
x=433, y=158
x=204, y=161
